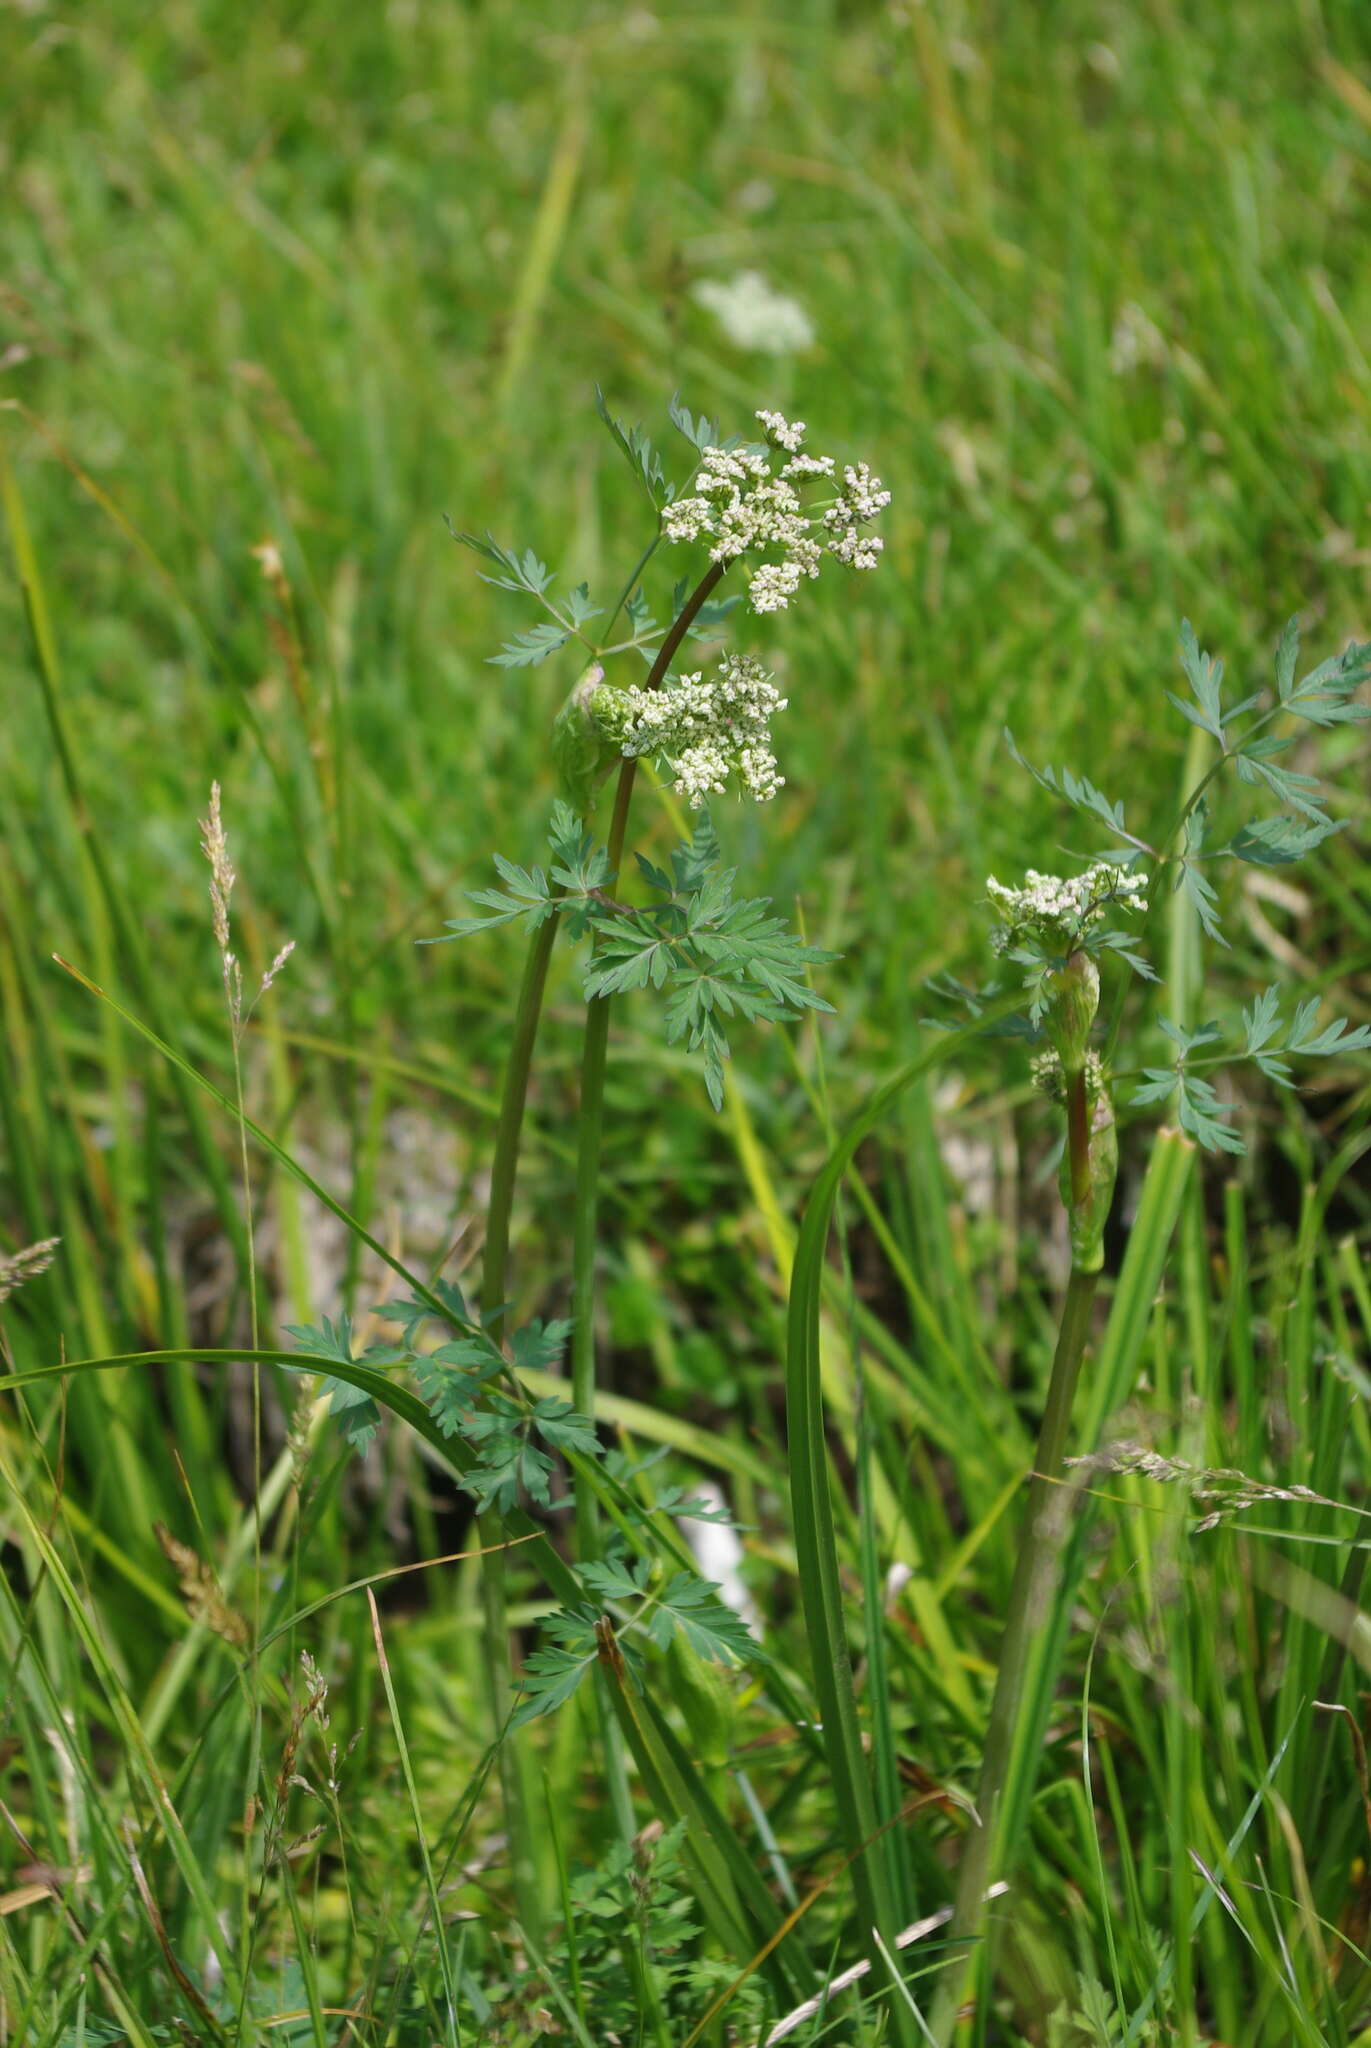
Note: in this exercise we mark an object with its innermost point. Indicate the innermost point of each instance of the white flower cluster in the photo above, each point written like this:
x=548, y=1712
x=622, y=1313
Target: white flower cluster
x=753, y=315
x=1062, y=908
x=705, y=729
x=863, y=498
x=741, y=506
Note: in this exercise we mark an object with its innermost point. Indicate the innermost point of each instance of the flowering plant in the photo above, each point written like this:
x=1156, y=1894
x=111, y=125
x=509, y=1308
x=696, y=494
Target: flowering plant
x=1057, y=930
x=760, y=505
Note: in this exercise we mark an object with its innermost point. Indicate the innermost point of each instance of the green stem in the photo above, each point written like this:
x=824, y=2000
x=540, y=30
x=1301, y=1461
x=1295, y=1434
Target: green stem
x=505, y=1164
x=494, y=1278
x=1028, y=1611
x=1078, y=1136
x=589, y=1133
x=589, y=1138
x=494, y=1293
x=590, y=1125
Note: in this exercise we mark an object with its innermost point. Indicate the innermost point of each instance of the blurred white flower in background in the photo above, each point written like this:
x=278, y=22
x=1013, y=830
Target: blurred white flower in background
x=754, y=316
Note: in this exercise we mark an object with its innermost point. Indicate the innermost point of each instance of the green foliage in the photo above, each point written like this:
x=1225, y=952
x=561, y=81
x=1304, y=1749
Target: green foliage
x=636, y=1945
x=710, y=955
x=1079, y=792
x=526, y=574
x=1325, y=696
x=1269, y=1046
x=701, y=433
x=639, y=453
x=1199, y=1111
x=357, y=1414
x=459, y=1383
x=638, y=1603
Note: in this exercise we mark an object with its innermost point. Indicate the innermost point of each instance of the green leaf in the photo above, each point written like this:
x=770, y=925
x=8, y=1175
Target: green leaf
x=1125, y=947
x=451, y=1379
x=1204, y=675
x=1199, y=718
x=357, y=1414
x=526, y=650
x=517, y=572
x=615, y=1579
x=637, y=450
x=579, y=866
x=558, y=1423
x=1323, y=697
x=1203, y=896
x=1337, y=1037
x=411, y=1311
x=1287, y=654
x=1075, y=790
x=701, y=433
x=1159, y=1086
x=692, y=1606
x=1261, y=1019
x=1277, y=842
x=528, y=900
x=552, y=1672
x=629, y=955
x=673, y=1500
x=1283, y=783
x=711, y=956
x=538, y=1346
x=711, y=615
x=1200, y=1113
x=507, y=1464
x=1187, y=1041
x=579, y=606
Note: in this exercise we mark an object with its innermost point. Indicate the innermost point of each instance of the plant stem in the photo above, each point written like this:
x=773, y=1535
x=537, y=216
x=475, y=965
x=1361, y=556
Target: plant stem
x=591, y=1114
x=1028, y=1610
x=505, y=1164
x=589, y=1136
x=494, y=1287
x=1078, y=1136
x=494, y=1277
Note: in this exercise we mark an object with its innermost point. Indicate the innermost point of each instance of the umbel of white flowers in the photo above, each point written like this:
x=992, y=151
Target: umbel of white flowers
x=1060, y=910
x=742, y=506
x=707, y=730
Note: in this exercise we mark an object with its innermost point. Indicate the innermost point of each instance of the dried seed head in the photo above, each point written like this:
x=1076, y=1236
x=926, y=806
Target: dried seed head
x=214, y=846
x=277, y=964
x=26, y=1265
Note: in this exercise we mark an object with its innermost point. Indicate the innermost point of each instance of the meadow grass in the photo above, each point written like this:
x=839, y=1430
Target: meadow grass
x=1087, y=288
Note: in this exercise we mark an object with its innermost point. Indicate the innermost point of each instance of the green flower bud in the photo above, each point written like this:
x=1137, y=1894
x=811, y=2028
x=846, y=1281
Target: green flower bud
x=1086, y=1219
x=702, y=1692
x=582, y=751
x=1073, y=996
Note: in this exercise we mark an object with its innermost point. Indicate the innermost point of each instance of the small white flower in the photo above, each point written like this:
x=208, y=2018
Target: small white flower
x=807, y=465
x=753, y=316
x=781, y=432
x=1137, y=342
